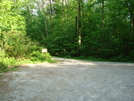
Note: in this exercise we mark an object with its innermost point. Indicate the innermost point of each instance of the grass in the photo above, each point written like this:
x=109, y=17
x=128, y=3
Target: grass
x=1, y=74
x=91, y=58
x=11, y=64
x=1, y=85
x=52, y=61
x=87, y=58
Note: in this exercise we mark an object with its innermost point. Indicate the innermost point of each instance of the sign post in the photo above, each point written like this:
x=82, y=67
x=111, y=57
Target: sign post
x=44, y=51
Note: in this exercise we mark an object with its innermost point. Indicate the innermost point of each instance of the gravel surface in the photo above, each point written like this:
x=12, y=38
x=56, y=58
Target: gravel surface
x=69, y=80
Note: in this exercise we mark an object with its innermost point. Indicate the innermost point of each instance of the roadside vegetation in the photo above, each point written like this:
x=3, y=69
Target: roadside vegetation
x=87, y=29
x=15, y=47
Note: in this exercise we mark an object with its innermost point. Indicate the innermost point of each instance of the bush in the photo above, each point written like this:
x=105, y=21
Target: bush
x=131, y=56
x=16, y=48
x=38, y=56
x=63, y=45
x=2, y=66
x=2, y=54
x=6, y=62
x=17, y=44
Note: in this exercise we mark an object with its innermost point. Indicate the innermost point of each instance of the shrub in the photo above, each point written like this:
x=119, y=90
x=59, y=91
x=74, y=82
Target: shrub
x=17, y=44
x=63, y=45
x=2, y=66
x=38, y=56
x=5, y=62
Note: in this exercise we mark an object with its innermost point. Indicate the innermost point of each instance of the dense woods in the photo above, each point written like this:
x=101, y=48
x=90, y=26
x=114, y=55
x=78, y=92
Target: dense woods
x=72, y=28
x=91, y=28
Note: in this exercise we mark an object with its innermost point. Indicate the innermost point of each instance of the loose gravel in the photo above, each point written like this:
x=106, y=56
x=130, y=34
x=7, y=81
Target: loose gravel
x=69, y=80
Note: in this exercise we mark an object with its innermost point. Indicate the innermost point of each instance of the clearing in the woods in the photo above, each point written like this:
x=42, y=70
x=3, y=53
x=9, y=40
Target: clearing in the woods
x=69, y=80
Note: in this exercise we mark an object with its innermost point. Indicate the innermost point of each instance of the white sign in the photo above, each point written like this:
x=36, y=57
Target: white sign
x=44, y=50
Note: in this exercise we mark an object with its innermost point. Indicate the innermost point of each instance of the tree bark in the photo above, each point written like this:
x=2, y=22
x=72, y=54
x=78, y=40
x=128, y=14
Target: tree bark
x=131, y=12
x=102, y=22
x=131, y=15
x=79, y=26
x=51, y=26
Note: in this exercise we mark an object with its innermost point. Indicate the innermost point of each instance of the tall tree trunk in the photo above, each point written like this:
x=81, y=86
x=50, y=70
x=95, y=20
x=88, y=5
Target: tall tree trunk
x=76, y=35
x=79, y=26
x=102, y=22
x=43, y=13
x=46, y=27
x=63, y=10
x=51, y=26
x=131, y=15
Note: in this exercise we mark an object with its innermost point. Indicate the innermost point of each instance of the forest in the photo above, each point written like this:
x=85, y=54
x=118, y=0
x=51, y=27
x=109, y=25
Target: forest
x=90, y=29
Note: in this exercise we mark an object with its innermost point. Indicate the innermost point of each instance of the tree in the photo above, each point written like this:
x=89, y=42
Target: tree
x=97, y=28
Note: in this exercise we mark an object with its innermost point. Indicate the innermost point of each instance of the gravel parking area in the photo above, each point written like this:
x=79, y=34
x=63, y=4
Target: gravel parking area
x=69, y=80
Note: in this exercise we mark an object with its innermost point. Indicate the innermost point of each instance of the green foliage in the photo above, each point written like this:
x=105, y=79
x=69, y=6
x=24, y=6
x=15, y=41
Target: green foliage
x=15, y=47
x=35, y=54
x=60, y=46
x=8, y=63
x=10, y=20
x=16, y=44
x=99, y=32
x=38, y=56
x=5, y=62
x=94, y=29
x=2, y=54
x=2, y=66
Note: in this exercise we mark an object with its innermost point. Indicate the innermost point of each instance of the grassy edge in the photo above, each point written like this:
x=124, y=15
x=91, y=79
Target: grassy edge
x=24, y=61
x=1, y=85
x=93, y=59
x=21, y=62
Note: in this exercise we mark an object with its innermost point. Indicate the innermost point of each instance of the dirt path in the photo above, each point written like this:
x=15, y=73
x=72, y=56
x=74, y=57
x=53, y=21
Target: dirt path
x=69, y=80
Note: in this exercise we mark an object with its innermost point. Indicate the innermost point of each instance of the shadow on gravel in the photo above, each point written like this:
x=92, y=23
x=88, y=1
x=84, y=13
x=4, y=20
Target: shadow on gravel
x=70, y=80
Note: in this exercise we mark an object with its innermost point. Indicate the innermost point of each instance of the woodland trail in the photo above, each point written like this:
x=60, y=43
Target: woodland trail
x=69, y=80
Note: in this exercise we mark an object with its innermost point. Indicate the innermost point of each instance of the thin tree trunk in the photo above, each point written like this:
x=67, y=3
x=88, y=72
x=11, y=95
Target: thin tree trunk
x=51, y=27
x=131, y=15
x=82, y=27
x=45, y=22
x=63, y=10
x=76, y=35
x=46, y=27
x=79, y=26
x=102, y=23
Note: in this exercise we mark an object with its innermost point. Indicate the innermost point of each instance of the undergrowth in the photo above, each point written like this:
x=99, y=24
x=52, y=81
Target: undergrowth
x=91, y=58
x=16, y=48
x=10, y=63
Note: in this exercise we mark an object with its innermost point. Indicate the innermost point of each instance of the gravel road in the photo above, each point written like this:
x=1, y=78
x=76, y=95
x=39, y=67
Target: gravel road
x=69, y=80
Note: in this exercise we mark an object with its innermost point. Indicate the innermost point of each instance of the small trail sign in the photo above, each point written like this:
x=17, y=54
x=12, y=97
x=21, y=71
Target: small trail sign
x=44, y=50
